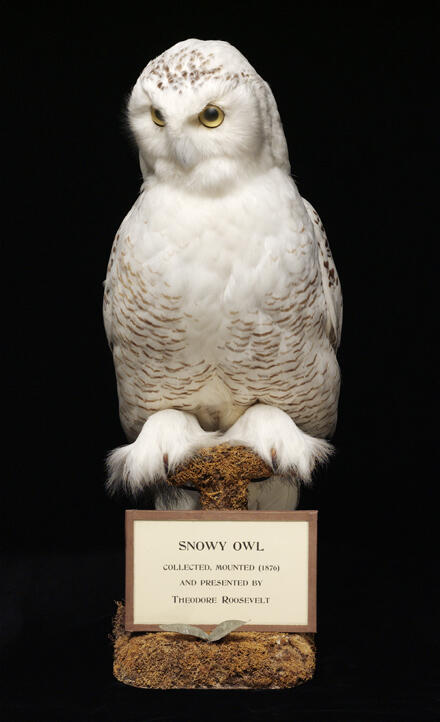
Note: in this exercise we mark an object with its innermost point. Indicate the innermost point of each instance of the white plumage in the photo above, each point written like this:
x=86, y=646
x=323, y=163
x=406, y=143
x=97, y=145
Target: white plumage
x=222, y=303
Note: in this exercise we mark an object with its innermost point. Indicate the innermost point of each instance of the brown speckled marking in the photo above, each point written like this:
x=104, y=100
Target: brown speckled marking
x=179, y=68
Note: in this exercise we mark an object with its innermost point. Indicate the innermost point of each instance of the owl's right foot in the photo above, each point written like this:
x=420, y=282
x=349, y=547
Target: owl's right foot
x=167, y=439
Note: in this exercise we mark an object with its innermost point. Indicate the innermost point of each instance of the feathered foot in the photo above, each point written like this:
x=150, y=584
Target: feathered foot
x=273, y=435
x=167, y=439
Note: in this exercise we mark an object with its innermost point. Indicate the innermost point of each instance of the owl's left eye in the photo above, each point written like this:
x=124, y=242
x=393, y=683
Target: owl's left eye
x=157, y=116
x=212, y=116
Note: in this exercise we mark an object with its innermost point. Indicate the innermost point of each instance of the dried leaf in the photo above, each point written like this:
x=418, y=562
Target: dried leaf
x=224, y=628
x=185, y=629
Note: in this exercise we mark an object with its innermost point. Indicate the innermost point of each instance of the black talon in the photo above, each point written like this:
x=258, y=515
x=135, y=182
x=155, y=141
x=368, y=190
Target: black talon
x=273, y=454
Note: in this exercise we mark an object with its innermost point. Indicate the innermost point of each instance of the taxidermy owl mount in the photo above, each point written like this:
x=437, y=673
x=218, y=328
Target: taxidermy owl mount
x=222, y=303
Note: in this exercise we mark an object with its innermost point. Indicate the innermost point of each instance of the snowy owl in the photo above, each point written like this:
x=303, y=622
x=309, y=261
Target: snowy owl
x=222, y=303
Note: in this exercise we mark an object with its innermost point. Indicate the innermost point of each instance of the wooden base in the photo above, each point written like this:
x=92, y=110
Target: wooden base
x=242, y=660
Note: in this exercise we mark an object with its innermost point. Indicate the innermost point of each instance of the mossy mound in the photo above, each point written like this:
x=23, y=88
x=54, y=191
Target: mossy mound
x=241, y=660
x=221, y=474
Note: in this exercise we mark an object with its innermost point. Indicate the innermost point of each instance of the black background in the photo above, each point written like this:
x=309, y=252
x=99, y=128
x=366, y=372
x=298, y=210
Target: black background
x=354, y=85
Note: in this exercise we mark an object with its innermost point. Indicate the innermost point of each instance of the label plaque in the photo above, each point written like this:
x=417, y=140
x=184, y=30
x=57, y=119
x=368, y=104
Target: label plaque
x=203, y=567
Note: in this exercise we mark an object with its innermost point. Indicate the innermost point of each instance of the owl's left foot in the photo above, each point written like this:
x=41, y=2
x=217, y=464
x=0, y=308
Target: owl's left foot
x=275, y=437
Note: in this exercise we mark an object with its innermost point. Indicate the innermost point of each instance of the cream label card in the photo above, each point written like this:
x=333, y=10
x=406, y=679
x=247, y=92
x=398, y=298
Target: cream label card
x=204, y=567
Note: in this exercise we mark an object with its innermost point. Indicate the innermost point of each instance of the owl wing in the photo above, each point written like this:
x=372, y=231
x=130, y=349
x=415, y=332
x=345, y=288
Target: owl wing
x=330, y=279
x=108, y=292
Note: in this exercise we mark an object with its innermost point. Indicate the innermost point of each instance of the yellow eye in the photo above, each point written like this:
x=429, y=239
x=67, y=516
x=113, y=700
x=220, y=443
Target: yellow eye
x=157, y=116
x=211, y=116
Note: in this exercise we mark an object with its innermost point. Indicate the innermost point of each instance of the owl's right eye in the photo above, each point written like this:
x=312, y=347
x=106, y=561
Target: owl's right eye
x=157, y=116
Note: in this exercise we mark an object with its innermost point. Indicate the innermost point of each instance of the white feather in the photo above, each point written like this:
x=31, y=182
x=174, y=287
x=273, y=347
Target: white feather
x=275, y=437
x=167, y=439
x=220, y=293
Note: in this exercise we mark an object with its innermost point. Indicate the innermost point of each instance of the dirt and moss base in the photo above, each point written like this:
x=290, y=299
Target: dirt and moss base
x=221, y=474
x=241, y=660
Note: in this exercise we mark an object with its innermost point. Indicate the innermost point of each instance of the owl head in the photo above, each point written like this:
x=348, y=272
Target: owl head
x=204, y=119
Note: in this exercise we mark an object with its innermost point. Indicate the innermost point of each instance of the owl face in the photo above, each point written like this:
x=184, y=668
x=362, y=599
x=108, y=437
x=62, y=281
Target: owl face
x=197, y=117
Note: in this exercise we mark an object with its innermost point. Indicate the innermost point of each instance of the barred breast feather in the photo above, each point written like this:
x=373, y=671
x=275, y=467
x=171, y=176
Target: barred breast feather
x=240, y=305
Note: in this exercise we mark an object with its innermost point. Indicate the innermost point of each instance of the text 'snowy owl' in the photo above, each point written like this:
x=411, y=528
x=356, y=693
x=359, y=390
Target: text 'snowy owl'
x=222, y=303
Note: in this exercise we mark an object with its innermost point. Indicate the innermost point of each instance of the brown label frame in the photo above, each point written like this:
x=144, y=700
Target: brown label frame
x=132, y=515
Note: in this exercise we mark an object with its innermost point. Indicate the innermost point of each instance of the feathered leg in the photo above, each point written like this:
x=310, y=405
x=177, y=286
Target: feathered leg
x=273, y=435
x=166, y=440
